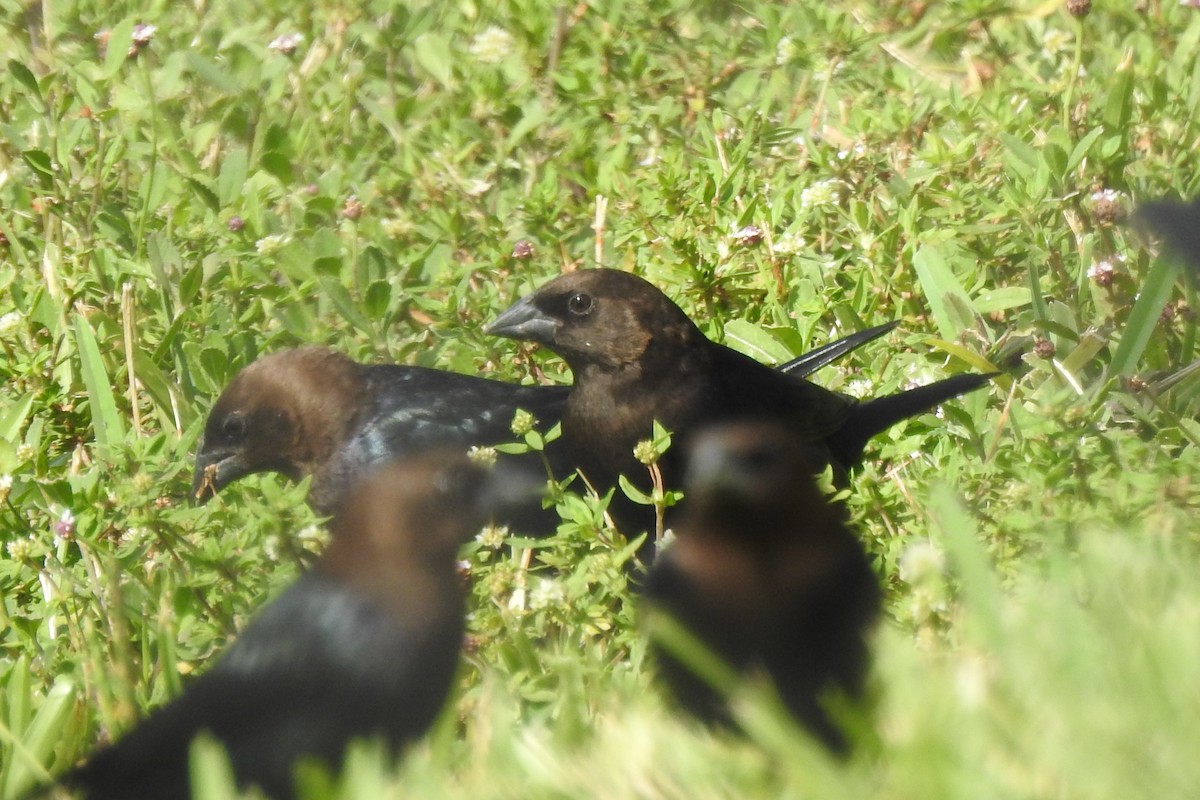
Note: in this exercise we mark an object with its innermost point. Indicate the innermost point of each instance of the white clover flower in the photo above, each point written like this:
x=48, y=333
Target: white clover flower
x=492, y=45
x=822, y=193
x=917, y=374
x=312, y=537
x=547, y=593
x=1054, y=41
x=269, y=245
x=130, y=535
x=482, y=456
x=25, y=452
x=492, y=536
x=19, y=549
x=272, y=547
x=477, y=186
x=789, y=244
x=10, y=322
x=921, y=561
x=786, y=50
x=859, y=387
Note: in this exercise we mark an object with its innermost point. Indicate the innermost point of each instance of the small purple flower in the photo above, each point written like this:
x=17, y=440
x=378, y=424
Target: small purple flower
x=64, y=526
x=523, y=250
x=286, y=44
x=236, y=224
x=1102, y=273
x=142, y=36
x=353, y=208
x=1106, y=206
x=749, y=235
x=143, y=33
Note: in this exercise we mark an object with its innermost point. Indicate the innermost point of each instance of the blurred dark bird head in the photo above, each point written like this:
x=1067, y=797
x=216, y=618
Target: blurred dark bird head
x=1176, y=223
x=286, y=412
x=604, y=317
x=751, y=475
x=408, y=519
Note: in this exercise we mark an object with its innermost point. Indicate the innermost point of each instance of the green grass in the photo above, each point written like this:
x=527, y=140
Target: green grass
x=170, y=217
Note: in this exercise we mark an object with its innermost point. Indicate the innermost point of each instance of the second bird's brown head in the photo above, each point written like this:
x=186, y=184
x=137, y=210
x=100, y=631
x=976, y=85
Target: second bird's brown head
x=285, y=413
x=602, y=318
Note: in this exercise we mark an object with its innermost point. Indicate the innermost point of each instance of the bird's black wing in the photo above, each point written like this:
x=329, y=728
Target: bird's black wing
x=416, y=409
x=808, y=363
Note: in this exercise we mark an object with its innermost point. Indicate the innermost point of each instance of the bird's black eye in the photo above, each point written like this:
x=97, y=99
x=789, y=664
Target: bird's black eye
x=234, y=427
x=580, y=304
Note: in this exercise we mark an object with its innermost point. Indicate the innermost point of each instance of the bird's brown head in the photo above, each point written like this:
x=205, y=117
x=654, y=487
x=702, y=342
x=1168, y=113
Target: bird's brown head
x=284, y=413
x=747, y=471
x=602, y=317
x=408, y=519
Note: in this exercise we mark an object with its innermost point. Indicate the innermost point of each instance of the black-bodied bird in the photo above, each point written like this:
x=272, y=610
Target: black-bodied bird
x=764, y=573
x=313, y=411
x=363, y=645
x=637, y=357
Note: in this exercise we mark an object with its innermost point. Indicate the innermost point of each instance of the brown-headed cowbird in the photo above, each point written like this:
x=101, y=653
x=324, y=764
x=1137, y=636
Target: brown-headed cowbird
x=1177, y=223
x=765, y=574
x=364, y=645
x=636, y=358
x=313, y=411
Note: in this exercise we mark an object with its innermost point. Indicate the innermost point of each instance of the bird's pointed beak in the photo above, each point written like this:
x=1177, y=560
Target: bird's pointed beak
x=524, y=320
x=214, y=471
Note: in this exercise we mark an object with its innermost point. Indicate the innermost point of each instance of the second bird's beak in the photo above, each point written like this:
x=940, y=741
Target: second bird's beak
x=524, y=320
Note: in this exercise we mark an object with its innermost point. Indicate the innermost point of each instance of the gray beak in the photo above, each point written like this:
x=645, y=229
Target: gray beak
x=524, y=320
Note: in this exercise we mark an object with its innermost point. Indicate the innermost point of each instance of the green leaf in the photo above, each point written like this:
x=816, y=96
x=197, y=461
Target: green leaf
x=1144, y=317
x=947, y=299
x=211, y=773
x=754, y=341
x=432, y=51
x=117, y=50
x=1002, y=299
x=39, y=740
x=25, y=78
x=232, y=179
x=1081, y=149
x=211, y=74
x=106, y=423
x=278, y=165
x=13, y=418
x=634, y=493
x=40, y=163
x=1118, y=102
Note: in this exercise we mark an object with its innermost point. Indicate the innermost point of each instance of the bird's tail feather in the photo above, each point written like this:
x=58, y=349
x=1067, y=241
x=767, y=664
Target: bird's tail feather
x=875, y=416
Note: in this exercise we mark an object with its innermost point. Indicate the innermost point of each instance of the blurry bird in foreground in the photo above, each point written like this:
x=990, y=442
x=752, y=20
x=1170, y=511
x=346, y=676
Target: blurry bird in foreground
x=1177, y=223
x=364, y=645
x=313, y=411
x=765, y=574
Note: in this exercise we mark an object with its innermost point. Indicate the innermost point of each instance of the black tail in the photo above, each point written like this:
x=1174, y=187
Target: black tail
x=875, y=416
x=810, y=362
